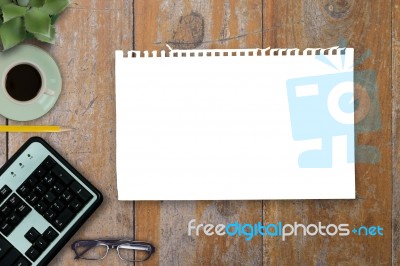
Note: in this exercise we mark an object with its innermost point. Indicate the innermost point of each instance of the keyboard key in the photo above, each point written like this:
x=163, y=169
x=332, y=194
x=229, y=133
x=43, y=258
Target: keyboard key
x=32, y=180
x=48, y=163
x=49, y=180
x=50, y=215
x=66, y=196
x=58, y=206
x=32, y=235
x=40, y=172
x=41, y=189
x=50, y=234
x=32, y=253
x=32, y=198
x=22, y=262
x=14, y=219
x=13, y=200
x=58, y=188
x=10, y=257
x=41, y=244
x=76, y=206
x=4, y=246
x=23, y=190
x=59, y=172
x=41, y=207
x=23, y=209
x=82, y=193
x=50, y=197
x=6, y=228
x=4, y=192
x=5, y=210
x=63, y=219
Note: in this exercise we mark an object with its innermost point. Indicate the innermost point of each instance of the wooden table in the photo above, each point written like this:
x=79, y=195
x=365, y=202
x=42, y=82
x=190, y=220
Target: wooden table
x=88, y=34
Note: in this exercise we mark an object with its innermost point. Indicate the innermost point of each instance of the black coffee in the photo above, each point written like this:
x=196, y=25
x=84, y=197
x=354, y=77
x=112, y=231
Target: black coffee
x=23, y=82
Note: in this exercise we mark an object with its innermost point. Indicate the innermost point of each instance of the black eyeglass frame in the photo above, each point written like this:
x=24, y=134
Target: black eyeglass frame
x=113, y=244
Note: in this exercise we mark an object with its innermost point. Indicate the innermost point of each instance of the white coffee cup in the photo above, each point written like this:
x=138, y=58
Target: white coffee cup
x=24, y=82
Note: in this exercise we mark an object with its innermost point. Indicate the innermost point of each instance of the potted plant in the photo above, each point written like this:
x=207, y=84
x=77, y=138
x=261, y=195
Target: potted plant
x=26, y=19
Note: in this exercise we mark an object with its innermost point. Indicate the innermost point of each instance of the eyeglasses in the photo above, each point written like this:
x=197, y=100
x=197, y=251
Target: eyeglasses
x=128, y=250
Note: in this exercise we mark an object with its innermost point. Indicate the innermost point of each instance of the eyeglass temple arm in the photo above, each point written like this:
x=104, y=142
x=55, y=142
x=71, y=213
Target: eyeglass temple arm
x=137, y=246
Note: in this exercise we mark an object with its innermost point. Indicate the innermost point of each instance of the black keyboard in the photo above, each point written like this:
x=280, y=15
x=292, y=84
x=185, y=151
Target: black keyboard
x=43, y=202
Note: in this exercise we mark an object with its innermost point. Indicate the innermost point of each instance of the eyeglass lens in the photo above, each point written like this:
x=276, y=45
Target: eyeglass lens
x=91, y=251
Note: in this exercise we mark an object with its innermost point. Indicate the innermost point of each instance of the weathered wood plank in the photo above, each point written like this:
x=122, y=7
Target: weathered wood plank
x=189, y=25
x=395, y=132
x=88, y=34
x=3, y=143
x=366, y=25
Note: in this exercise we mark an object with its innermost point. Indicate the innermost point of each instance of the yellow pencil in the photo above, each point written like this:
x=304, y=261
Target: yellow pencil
x=49, y=129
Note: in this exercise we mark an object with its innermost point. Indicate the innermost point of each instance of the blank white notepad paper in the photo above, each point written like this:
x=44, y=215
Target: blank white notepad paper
x=235, y=124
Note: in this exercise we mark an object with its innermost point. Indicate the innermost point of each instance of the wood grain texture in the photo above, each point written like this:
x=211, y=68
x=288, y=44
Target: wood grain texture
x=365, y=25
x=189, y=25
x=3, y=143
x=88, y=34
x=395, y=132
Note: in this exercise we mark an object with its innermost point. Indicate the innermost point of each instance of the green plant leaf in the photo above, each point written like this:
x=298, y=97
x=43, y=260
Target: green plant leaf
x=37, y=22
x=51, y=39
x=37, y=3
x=54, y=7
x=11, y=11
x=23, y=2
x=12, y=33
x=4, y=2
